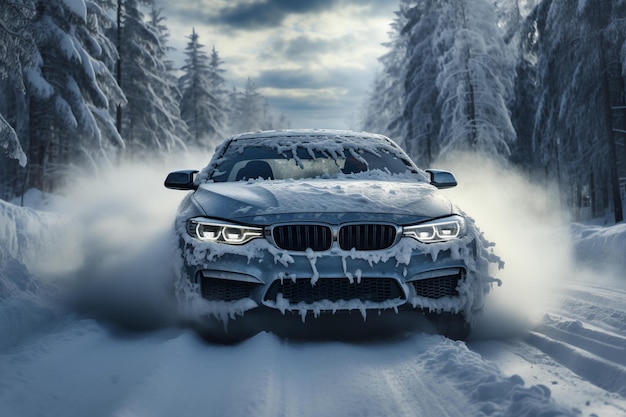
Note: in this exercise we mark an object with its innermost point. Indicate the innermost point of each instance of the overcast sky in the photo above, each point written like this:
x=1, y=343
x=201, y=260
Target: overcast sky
x=315, y=60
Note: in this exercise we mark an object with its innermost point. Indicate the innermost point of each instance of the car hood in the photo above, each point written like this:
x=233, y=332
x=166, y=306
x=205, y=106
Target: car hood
x=265, y=202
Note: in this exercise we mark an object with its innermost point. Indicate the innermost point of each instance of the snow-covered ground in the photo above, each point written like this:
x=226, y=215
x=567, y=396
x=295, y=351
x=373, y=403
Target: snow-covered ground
x=87, y=326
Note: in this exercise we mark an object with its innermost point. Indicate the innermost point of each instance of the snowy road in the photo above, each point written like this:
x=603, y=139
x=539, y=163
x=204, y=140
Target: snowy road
x=572, y=362
x=578, y=350
x=552, y=341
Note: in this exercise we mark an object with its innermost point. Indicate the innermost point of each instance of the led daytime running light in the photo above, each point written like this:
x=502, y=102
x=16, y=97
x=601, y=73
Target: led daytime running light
x=441, y=230
x=221, y=232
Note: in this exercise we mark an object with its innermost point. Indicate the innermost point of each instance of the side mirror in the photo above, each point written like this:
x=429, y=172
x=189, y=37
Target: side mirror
x=181, y=180
x=441, y=179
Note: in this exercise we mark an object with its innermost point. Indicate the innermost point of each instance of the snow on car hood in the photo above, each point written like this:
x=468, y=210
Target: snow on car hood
x=263, y=202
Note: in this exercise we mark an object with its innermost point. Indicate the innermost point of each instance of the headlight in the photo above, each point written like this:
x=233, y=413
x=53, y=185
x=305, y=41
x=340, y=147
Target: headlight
x=439, y=230
x=209, y=230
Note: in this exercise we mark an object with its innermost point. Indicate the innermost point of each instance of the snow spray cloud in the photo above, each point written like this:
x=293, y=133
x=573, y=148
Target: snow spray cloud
x=529, y=229
x=121, y=243
x=122, y=224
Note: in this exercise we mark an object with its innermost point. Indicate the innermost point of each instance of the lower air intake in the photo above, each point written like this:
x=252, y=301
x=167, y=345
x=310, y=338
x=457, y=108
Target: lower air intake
x=216, y=289
x=438, y=287
x=335, y=289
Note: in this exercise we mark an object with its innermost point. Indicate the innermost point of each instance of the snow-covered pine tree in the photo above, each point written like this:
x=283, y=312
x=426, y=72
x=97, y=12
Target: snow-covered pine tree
x=219, y=95
x=524, y=105
x=200, y=107
x=383, y=112
x=580, y=80
x=233, y=117
x=171, y=96
x=422, y=113
x=66, y=105
x=452, y=75
x=475, y=81
x=249, y=111
x=17, y=48
x=95, y=40
x=10, y=144
x=150, y=121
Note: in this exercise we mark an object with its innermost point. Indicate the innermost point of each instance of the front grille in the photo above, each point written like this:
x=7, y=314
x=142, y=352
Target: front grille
x=438, y=287
x=335, y=289
x=225, y=290
x=319, y=237
x=300, y=237
x=366, y=236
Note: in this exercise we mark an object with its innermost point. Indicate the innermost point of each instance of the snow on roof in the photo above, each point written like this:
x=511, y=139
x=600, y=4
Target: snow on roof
x=308, y=134
x=332, y=142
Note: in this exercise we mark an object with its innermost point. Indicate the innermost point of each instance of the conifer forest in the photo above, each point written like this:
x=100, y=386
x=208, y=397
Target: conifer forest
x=536, y=84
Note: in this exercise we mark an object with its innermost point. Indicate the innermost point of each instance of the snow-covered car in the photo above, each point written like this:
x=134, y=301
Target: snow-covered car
x=319, y=223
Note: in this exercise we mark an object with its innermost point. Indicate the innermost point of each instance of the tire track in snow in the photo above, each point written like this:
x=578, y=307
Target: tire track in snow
x=334, y=378
x=517, y=357
x=607, y=346
x=595, y=305
x=413, y=393
x=268, y=376
x=587, y=334
x=86, y=369
x=602, y=373
x=74, y=371
x=194, y=378
x=578, y=350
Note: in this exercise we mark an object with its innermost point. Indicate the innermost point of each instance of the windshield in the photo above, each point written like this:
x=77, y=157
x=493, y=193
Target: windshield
x=302, y=161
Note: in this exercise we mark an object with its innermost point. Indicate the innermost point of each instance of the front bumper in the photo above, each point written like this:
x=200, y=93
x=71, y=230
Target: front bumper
x=409, y=275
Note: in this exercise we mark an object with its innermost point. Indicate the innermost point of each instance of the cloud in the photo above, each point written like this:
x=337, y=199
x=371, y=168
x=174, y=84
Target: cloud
x=315, y=109
x=314, y=98
x=266, y=13
x=263, y=14
x=313, y=59
x=305, y=48
x=311, y=78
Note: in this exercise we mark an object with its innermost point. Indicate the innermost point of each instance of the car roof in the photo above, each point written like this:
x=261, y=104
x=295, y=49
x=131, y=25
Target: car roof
x=307, y=134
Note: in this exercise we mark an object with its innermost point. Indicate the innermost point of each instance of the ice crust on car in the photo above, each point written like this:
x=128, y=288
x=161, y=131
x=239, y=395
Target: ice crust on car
x=472, y=290
x=334, y=143
x=330, y=198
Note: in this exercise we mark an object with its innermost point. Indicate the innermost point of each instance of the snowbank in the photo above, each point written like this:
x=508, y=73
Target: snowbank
x=25, y=300
x=599, y=246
